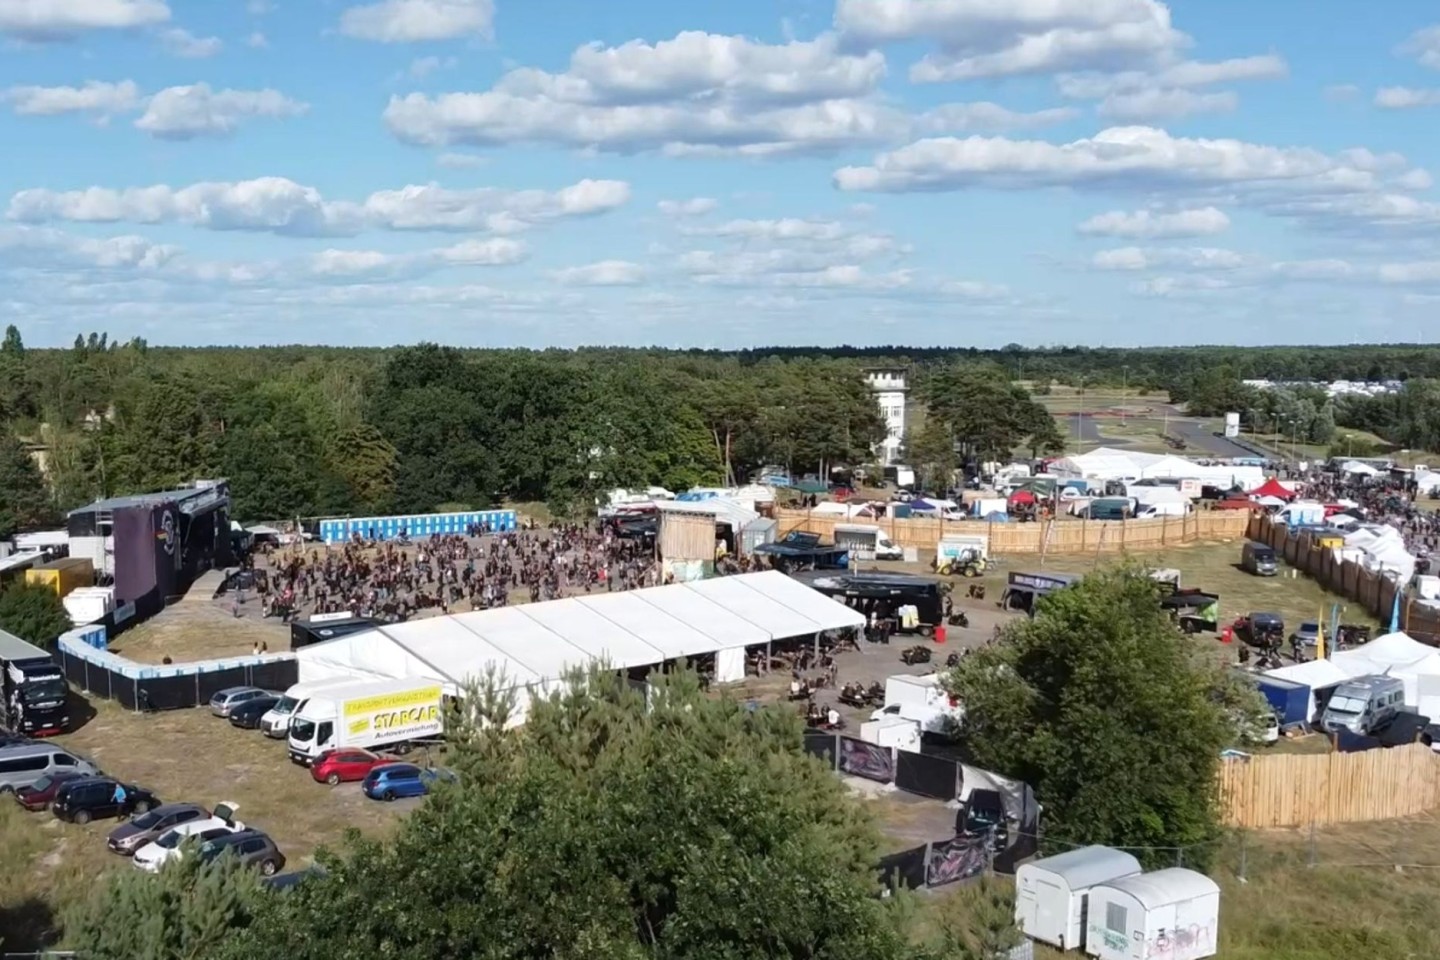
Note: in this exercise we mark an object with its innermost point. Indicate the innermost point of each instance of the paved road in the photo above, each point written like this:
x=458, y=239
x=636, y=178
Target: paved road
x=1199, y=437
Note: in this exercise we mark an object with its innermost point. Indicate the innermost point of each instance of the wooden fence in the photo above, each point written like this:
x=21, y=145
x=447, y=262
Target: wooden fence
x=1296, y=790
x=1348, y=579
x=1064, y=536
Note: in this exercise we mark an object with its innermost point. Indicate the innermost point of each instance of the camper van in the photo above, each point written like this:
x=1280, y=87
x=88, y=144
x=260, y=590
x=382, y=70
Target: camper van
x=1363, y=705
x=867, y=542
x=1259, y=559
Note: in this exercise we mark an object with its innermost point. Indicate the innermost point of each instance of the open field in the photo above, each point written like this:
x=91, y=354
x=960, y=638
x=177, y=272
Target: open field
x=196, y=629
x=186, y=755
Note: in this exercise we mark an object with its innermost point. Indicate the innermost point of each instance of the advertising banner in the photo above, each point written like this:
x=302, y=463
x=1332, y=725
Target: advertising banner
x=952, y=860
x=861, y=759
x=397, y=716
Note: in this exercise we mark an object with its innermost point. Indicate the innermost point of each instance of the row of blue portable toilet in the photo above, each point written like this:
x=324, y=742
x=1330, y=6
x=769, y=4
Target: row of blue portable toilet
x=417, y=526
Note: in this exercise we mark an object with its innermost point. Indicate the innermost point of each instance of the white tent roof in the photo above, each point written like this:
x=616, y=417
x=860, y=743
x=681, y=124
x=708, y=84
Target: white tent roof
x=1356, y=468
x=817, y=607
x=723, y=509
x=537, y=644
x=719, y=624
x=524, y=640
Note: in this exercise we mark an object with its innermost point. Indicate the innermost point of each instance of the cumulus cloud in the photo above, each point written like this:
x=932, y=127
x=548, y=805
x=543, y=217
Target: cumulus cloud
x=96, y=98
x=184, y=113
x=991, y=38
x=43, y=20
x=412, y=21
x=606, y=273
x=1405, y=98
x=1148, y=224
x=1186, y=258
x=1421, y=272
x=698, y=92
x=693, y=207
x=281, y=206
x=991, y=117
x=43, y=247
x=1169, y=92
x=182, y=43
x=1424, y=46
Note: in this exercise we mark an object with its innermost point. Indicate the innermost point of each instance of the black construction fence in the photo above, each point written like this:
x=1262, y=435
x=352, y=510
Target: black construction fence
x=178, y=688
x=951, y=859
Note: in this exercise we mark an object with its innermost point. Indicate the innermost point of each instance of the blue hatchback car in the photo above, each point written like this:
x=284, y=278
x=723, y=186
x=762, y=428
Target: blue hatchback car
x=395, y=780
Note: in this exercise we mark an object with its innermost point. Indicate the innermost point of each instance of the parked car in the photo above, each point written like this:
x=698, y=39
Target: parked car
x=129, y=837
x=335, y=766
x=1307, y=633
x=171, y=845
x=40, y=794
x=100, y=798
x=228, y=699
x=255, y=849
x=23, y=763
x=288, y=881
x=246, y=714
x=395, y=780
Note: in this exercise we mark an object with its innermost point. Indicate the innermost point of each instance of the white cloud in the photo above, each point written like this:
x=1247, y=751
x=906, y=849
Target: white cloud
x=183, y=113
x=460, y=161
x=94, y=97
x=1185, y=258
x=182, y=43
x=1162, y=103
x=606, y=273
x=1133, y=158
x=1147, y=224
x=1328, y=269
x=789, y=228
x=1423, y=272
x=693, y=207
x=278, y=205
x=987, y=38
x=257, y=41
x=1404, y=98
x=1193, y=285
x=422, y=67
x=59, y=19
x=44, y=247
x=412, y=21
x=985, y=116
x=491, y=252
x=1424, y=46
x=696, y=93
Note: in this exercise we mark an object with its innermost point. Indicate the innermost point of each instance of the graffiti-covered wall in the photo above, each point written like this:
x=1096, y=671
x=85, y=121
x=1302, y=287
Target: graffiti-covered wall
x=415, y=526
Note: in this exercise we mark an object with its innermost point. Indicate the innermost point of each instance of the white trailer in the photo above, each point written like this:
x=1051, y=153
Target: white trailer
x=895, y=732
x=1172, y=913
x=867, y=542
x=372, y=715
x=921, y=699
x=1051, y=894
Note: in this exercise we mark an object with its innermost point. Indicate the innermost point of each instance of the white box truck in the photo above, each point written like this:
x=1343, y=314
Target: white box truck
x=896, y=732
x=370, y=715
x=867, y=542
x=921, y=699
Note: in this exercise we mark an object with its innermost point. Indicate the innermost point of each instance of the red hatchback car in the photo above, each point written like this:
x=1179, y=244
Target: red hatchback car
x=335, y=766
x=38, y=795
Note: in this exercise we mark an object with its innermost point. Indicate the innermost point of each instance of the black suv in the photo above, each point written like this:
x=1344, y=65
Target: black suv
x=252, y=847
x=94, y=798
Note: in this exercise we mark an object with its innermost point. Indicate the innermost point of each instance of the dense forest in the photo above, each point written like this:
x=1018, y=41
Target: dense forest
x=305, y=431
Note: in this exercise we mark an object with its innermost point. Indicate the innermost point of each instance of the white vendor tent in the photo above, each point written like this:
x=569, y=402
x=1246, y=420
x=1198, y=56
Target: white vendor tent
x=1428, y=482
x=1110, y=463
x=1355, y=468
x=534, y=646
x=1395, y=654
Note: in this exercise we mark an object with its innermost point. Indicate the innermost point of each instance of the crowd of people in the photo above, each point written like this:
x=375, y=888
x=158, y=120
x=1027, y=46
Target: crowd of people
x=1383, y=499
x=395, y=581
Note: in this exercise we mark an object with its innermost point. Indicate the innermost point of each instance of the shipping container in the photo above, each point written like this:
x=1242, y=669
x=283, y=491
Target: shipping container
x=62, y=576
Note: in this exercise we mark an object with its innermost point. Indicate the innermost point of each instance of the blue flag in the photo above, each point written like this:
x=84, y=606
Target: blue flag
x=1395, y=613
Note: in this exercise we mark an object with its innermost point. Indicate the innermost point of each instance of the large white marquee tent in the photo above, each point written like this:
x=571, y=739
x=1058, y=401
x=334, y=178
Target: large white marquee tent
x=1110, y=463
x=534, y=646
x=1394, y=655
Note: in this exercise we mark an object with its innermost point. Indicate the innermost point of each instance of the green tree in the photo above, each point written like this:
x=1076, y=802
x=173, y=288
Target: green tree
x=979, y=922
x=1100, y=704
x=187, y=911
x=931, y=451
x=695, y=828
x=24, y=500
x=33, y=613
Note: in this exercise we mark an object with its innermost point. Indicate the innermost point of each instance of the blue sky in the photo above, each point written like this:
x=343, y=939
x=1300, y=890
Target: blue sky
x=756, y=172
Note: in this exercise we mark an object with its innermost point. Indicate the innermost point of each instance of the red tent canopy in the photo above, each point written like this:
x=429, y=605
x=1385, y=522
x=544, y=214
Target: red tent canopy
x=1273, y=488
x=1022, y=496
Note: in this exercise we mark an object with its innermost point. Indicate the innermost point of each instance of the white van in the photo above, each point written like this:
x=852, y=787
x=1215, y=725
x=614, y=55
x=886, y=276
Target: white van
x=867, y=542
x=275, y=723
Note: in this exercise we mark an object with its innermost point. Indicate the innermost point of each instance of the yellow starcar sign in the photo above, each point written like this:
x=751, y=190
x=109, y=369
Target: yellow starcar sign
x=412, y=713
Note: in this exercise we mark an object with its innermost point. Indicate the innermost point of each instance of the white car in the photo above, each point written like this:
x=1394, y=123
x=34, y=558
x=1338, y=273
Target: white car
x=167, y=846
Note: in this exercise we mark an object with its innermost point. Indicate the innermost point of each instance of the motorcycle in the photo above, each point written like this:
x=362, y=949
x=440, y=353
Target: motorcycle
x=958, y=618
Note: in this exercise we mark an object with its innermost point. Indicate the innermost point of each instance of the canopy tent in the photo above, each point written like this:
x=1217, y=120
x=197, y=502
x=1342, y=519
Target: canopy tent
x=1395, y=654
x=534, y=646
x=1356, y=468
x=1273, y=488
x=1021, y=498
x=1427, y=482
x=1110, y=463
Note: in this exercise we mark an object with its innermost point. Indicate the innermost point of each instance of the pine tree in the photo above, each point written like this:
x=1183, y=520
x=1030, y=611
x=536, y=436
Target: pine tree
x=33, y=613
x=24, y=501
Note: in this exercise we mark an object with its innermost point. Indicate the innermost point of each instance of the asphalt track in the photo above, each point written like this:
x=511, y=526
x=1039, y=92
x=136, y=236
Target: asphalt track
x=1196, y=434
